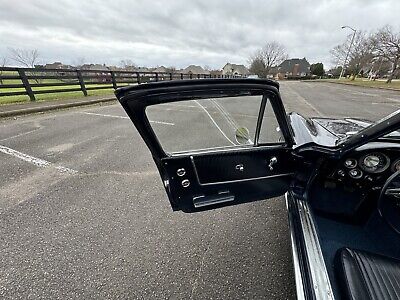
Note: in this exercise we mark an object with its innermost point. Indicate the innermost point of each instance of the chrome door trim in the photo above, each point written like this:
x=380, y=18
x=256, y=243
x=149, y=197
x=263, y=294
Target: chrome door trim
x=295, y=255
x=320, y=282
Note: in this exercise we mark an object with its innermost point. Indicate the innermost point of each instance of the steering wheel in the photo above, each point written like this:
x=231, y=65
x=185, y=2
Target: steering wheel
x=389, y=202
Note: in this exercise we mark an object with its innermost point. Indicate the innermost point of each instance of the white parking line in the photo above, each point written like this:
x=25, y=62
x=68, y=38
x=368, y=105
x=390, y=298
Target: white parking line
x=215, y=123
x=122, y=117
x=104, y=115
x=231, y=121
x=35, y=161
x=19, y=134
x=305, y=101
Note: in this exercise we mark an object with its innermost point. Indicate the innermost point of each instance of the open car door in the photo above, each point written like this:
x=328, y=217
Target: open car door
x=216, y=142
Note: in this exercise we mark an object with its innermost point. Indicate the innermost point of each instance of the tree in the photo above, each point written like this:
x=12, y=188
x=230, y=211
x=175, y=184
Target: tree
x=264, y=59
x=170, y=69
x=387, y=45
x=23, y=57
x=127, y=64
x=79, y=62
x=257, y=66
x=317, y=69
x=360, y=53
x=3, y=63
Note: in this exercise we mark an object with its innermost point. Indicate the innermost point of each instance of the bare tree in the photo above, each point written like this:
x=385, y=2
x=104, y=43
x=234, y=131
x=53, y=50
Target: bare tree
x=79, y=62
x=360, y=53
x=170, y=69
x=127, y=64
x=387, y=46
x=3, y=63
x=269, y=56
x=273, y=54
x=23, y=57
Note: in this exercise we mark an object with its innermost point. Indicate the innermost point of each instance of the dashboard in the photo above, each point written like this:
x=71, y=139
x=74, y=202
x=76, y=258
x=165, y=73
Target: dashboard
x=349, y=187
x=369, y=166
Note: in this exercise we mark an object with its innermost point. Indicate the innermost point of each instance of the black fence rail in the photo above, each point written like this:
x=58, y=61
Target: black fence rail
x=34, y=81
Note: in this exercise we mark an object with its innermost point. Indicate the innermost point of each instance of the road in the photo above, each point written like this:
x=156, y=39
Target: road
x=83, y=213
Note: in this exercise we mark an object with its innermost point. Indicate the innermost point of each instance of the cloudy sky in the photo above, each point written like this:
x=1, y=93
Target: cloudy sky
x=182, y=32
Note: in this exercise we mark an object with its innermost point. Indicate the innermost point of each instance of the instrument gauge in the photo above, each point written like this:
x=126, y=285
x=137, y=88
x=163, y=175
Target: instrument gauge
x=396, y=165
x=350, y=163
x=374, y=162
x=371, y=161
x=355, y=173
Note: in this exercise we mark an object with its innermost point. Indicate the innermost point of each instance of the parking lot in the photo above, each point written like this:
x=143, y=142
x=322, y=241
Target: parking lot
x=83, y=213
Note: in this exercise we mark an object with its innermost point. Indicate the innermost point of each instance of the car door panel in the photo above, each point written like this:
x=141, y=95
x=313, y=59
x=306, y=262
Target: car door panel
x=198, y=180
x=236, y=166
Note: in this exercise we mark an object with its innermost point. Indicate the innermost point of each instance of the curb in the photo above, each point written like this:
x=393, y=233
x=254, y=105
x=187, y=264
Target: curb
x=25, y=111
x=361, y=86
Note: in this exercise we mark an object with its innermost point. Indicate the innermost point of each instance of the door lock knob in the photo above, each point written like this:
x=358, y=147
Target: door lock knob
x=272, y=162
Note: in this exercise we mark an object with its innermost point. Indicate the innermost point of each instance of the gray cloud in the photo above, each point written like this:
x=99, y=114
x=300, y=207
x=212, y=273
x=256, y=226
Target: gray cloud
x=183, y=32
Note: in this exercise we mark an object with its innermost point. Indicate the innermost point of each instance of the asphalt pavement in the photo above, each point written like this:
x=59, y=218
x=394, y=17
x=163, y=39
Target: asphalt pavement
x=83, y=213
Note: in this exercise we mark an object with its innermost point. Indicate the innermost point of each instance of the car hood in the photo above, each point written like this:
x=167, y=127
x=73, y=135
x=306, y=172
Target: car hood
x=327, y=131
x=342, y=128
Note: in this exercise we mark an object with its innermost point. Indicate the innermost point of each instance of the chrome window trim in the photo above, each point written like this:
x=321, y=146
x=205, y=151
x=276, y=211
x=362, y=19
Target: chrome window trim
x=225, y=149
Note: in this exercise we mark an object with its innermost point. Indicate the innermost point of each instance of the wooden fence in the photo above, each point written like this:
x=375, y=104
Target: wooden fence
x=34, y=81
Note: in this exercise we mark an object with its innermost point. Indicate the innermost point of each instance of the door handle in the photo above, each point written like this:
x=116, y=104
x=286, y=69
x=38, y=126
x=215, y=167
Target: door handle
x=272, y=162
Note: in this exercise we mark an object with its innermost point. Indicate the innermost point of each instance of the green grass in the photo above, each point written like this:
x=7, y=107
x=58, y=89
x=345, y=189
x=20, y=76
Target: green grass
x=395, y=84
x=55, y=96
x=72, y=84
x=52, y=96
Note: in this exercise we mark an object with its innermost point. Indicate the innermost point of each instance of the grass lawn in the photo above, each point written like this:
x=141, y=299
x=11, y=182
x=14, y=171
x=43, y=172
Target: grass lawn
x=395, y=84
x=52, y=96
x=72, y=84
x=55, y=96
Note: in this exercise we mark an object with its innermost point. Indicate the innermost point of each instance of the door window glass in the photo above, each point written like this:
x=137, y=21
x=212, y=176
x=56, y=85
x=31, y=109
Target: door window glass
x=205, y=123
x=270, y=132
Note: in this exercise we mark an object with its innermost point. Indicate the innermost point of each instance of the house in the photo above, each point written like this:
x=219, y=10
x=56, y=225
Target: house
x=193, y=69
x=161, y=69
x=95, y=67
x=294, y=67
x=216, y=73
x=142, y=69
x=234, y=69
x=57, y=65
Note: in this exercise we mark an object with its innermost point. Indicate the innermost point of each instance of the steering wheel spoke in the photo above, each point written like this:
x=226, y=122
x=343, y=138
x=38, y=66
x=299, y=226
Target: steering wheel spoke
x=389, y=201
x=393, y=192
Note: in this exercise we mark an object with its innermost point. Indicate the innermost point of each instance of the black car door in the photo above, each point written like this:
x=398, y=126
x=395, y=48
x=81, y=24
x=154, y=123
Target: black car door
x=216, y=142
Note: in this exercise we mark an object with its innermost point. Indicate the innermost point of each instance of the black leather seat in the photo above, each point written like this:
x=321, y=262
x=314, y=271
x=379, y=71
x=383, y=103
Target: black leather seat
x=364, y=275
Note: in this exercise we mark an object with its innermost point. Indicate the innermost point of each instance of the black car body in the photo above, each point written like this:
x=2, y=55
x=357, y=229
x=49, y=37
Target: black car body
x=339, y=178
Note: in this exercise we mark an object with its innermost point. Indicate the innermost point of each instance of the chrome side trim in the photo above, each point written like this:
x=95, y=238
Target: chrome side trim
x=247, y=179
x=316, y=263
x=296, y=263
x=202, y=201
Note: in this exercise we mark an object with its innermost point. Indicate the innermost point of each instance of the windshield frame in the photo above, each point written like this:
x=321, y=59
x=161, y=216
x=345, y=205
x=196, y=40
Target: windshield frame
x=373, y=132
